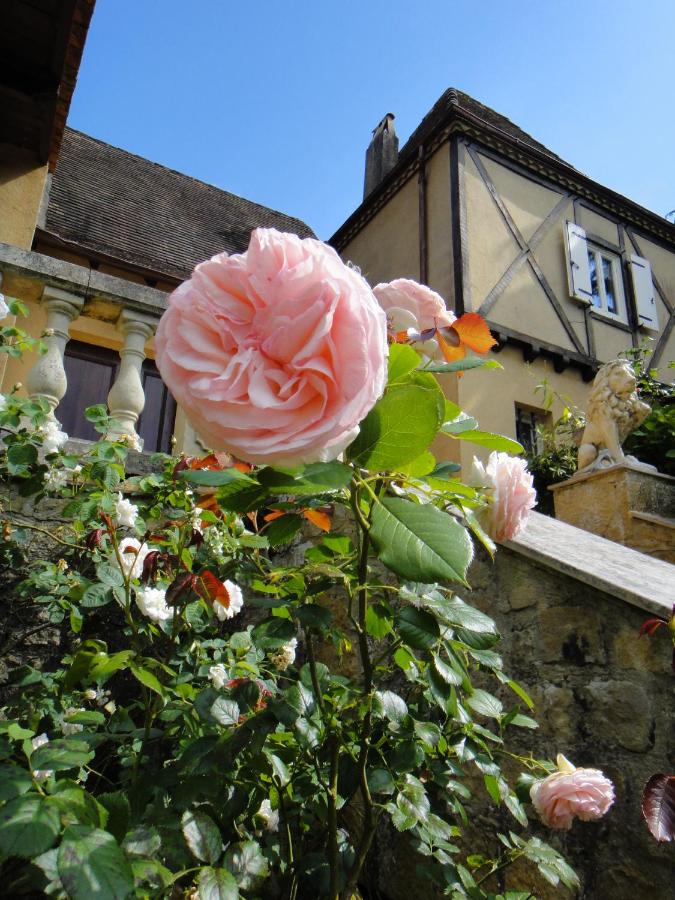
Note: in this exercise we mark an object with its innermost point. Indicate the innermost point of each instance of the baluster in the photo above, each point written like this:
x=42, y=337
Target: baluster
x=47, y=378
x=127, y=398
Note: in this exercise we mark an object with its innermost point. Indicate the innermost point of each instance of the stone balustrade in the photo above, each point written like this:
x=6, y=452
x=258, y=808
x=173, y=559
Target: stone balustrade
x=66, y=291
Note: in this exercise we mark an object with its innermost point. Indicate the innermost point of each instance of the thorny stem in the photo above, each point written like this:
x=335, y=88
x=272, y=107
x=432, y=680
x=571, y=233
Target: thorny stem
x=498, y=866
x=48, y=534
x=369, y=819
x=312, y=669
x=289, y=839
x=333, y=856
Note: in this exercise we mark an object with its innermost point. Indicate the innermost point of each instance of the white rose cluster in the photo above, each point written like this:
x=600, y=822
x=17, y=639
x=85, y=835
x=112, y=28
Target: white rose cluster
x=236, y=602
x=126, y=512
x=152, y=603
x=132, y=553
x=52, y=438
x=219, y=676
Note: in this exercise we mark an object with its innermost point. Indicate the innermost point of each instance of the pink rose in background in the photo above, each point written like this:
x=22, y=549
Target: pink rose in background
x=570, y=792
x=414, y=308
x=509, y=485
x=275, y=354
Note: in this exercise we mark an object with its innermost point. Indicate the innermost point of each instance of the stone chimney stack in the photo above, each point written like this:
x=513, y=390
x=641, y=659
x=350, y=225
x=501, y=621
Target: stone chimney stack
x=381, y=155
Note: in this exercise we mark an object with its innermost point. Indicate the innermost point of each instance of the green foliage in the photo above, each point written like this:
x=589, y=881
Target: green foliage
x=179, y=743
x=653, y=441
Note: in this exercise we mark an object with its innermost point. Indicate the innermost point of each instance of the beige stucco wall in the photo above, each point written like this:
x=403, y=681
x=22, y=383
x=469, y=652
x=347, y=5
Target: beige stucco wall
x=491, y=394
x=440, y=270
x=663, y=267
x=388, y=246
x=21, y=186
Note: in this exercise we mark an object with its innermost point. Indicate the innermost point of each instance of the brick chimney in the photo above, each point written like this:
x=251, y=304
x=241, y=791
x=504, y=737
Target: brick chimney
x=381, y=155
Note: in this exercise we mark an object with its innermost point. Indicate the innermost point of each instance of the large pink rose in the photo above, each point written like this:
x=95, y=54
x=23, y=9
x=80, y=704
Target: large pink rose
x=275, y=354
x=570, y=792
x=413, y=308
x=509, y=486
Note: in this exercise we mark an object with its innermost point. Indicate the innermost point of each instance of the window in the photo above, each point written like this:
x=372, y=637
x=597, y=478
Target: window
x=528, y=424
x=607, y=296
x=91, y=372
x=595, y=276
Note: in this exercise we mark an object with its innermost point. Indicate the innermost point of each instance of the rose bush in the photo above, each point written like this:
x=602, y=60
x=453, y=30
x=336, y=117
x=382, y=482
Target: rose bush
x=229, y=712
x=275, y=354
x=571, y=793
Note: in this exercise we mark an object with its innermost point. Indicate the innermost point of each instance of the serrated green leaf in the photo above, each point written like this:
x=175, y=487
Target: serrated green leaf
x=428, y=732
x=14, y=781
x=446, y=672
x=313, y=478
x=60, y=755
x=463, y=365
x=119, y=813
x=485, y=704
x=378, y=621
x=247, y=863
x=388, y=705
x=91, y=864
x=214, y=477
x=202, y=835
x=419, y=542
x=489, y=441
x=381, y=782
x=28, y=826
x=401, y=362
x=399, y=428
x=144, y=840
x=412, y=800
x=96, y=595
x=418, y=628
x=282, y=530
x=217, y=884
x=225, y=712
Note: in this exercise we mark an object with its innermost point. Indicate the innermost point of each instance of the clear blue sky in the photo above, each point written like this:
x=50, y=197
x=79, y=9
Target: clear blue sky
x=276, y=101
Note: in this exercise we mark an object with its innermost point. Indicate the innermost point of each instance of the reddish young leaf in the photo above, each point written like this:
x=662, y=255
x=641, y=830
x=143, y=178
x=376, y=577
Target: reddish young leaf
x=451, y=351
x=94, y=539
x=658, y=806
x=212, y=589
x=182, y=584
x=275, y=514
x=649, y=626
x=473, y=331
x=150, y=566
x=318, y=518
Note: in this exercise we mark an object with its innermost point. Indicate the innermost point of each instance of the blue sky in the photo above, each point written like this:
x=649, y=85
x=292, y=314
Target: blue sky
x=276, y=101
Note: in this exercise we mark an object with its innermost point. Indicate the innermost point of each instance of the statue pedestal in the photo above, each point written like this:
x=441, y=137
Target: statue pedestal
x=623, y=504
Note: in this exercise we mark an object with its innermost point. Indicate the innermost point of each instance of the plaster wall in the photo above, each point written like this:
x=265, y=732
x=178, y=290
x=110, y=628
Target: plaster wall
x=440, y=268
x=388, y=246
x=491, y=395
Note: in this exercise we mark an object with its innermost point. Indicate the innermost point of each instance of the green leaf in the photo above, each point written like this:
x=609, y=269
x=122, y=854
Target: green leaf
x=142, y=841
x=102, y=666
x=388, y=705
x=14, y=781
x=401, y=362
x=225, y=712
x=454, y=611
x=381, y=782
x=280, y=769
x=202, y=835
x=419, y=542
x=422, y=465
x=412, y=800
x=273, y=633
x=96, y=595
x=109, y=575
x=119, y=813
x=463, y=365
x=399, y=427
x=146, y=677
x=214, y=477
x=247, y=863
x=460, y=424
x=91, y=864
x=313, y=616
x=492, y=787
x=217, y=884
x=489, y=440
x=20, y=457
x=428, y=732
x=314, y=478
x=241, y=496
x=28, y=826
x=378, y=621
x=446, y=672
x=418, y=628
x=61, y=755
x=485, y=704
x=282, y=530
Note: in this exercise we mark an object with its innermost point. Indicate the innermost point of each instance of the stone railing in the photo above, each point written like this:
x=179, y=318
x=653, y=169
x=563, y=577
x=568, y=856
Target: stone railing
x=66, y=292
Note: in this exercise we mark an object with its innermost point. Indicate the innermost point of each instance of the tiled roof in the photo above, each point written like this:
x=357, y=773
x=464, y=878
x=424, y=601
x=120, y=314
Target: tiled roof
x=454, y=102
x=124, y=207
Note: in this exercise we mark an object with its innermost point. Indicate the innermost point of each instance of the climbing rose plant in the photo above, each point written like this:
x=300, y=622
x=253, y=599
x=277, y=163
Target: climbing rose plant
x=263, y=664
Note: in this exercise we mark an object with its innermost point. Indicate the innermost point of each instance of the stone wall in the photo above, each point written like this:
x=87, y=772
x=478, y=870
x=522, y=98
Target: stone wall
x=604, y=698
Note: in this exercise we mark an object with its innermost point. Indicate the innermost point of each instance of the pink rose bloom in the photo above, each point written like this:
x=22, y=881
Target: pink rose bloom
x=413, y=308
x=509, y=486
x=275, y=354
x=569, y=792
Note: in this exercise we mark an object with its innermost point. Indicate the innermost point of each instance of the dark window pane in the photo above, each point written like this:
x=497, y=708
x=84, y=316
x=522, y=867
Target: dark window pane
x=526, y=429
x=608, y=278
x=90, y=372
x=597, y=302
x=155, y=425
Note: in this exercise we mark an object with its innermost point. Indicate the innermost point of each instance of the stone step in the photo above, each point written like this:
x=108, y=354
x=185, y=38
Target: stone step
x=652, y=534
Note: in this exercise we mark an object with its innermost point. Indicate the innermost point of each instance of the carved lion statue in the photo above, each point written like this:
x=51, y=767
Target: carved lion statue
x=614, y=410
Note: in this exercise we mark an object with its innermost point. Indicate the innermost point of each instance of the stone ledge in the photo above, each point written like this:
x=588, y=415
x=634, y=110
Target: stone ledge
x=616, y=570
x=79, y=280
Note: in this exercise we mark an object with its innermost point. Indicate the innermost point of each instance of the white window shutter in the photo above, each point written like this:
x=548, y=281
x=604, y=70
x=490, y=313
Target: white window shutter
x=643, y=291
x=578, y=270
